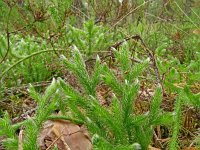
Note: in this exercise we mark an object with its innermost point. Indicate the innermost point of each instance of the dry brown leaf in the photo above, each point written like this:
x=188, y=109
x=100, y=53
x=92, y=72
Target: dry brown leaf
x=196, y=31
x=1, y=140
x=153, y=148
x=177, y=36
x=191, y=148
x=65, y=134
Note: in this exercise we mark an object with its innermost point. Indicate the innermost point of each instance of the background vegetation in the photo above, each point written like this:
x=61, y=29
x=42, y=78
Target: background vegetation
x=129, y=70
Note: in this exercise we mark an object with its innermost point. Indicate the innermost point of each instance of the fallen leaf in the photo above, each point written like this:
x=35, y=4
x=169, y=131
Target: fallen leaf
x=196, y=31
x=191, y=148
x=153, y=148
x=177, y=36
x=65, y=135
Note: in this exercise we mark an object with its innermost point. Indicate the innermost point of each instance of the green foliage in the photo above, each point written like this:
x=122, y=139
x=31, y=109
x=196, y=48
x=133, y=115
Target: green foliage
x=91, y=38
x=190, y=98
x=35, y=33
x=177, y=123
x=118, y=124
x=77, y=66
x=2, y=46
x=8, y=131
x=27, y=70
x=46, y=105
x=33, y=70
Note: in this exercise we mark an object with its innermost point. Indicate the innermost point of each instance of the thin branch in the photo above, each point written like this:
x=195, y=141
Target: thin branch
x=116, y=45
x=25, y=86
x=20, y=140
x=23, y=116
x=8, y=37
x=130, y=12
x=154, y=64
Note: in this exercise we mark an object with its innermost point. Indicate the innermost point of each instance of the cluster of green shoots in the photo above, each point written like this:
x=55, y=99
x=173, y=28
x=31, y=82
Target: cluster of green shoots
x=117, y=126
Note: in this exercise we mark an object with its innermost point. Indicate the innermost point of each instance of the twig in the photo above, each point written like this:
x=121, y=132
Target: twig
x=83, y=14
x=24, y=115
x=59, y=137
x=154, y=64
x=48, y=148
x=116, y=45
x=130, y=12
x=157, y=139
x=8, y=37
x=25, y=86
x=20, y=140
